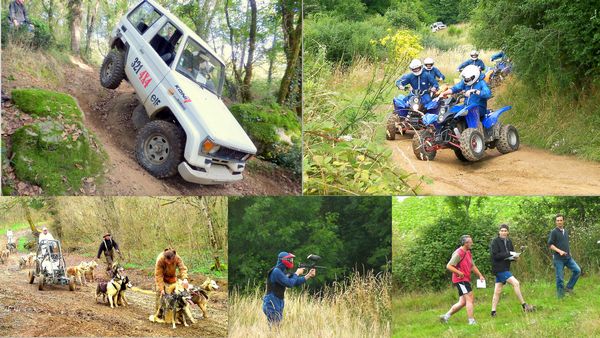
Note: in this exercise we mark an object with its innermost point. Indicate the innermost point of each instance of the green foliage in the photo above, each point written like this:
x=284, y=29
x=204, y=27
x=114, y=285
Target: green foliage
x=348, y=233
x=437, y=40
x=408, y=14
x=352, y=10
x=46, y=103
x=344, y=40
x=543, y=38
x=416, y=313
x=269, y=126
x=39, y=38
x=42, y=36
x=454, y=31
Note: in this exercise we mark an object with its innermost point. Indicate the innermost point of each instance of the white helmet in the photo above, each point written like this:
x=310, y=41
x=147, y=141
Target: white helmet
x=428, y=63
x=470, y=74
x=474, y=54
x=416, y=67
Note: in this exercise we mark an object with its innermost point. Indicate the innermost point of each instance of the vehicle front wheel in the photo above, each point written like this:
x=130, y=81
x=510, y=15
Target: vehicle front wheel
x=390, y=132
x=472, y=144
x=31, y=277
x=422, y=144
x=41, y=281
x=459, y=155
x=112, y=71
x=509, y=139
x=159, y=148
x=72, y=284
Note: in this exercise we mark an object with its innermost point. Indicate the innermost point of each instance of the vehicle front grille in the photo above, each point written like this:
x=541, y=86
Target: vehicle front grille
x=229, y=154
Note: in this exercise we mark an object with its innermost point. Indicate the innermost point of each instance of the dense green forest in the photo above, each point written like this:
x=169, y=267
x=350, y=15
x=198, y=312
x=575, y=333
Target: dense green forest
x=350, y=234
x=143, y=226
x=426, y=232
x=355, y=50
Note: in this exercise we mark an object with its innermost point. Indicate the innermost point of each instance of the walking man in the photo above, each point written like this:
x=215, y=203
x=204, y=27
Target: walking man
x=461, y=264
x=559, y=243
x=108, y=246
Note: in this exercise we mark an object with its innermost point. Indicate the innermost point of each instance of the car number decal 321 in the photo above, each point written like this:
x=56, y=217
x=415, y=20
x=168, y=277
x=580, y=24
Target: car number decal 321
x=144, y=76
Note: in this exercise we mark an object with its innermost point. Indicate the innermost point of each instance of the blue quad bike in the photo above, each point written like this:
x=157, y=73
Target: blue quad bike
x=459, y=127
x=414, y=109
x=495, y=75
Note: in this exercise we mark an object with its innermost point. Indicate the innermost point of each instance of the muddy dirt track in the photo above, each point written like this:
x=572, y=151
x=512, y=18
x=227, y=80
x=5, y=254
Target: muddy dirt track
x=107, y=114
x=56, y=311
x=527, y=171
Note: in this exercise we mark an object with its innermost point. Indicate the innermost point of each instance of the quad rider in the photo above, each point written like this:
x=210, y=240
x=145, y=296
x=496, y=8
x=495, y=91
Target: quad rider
x=108, y=246
x=418, y=80
x=474, y=88
x=433, y=71
x=474, y=60
x=277, y=282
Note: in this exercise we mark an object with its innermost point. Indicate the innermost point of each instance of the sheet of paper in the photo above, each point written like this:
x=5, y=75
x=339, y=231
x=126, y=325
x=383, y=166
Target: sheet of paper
x=480, y=284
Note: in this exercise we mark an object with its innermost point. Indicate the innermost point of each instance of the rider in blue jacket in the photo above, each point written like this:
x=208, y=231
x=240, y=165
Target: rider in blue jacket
x=499, y=55
x=277, y=282
x=419, y=80
x=433, y=71
x=474, y=60
x=474, y=88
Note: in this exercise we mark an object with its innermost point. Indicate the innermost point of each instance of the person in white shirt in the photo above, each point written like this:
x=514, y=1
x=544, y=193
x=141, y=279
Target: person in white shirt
x=45, y=235
x=10, y=236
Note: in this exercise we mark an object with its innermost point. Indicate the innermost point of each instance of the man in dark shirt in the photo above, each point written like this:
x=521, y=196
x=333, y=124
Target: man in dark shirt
x=107, y=247
x=17, y=13
x=559, y=243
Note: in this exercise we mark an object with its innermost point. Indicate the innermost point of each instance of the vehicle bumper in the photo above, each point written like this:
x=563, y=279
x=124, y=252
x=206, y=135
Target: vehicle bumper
x=215, y=174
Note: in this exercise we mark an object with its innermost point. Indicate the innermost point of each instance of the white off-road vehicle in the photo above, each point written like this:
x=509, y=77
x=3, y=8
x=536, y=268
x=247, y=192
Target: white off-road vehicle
x=183, y=125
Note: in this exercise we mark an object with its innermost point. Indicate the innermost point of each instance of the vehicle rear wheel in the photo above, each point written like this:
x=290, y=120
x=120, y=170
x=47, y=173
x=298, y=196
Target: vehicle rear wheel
x=41, y=281
x=472, y=144
x=509, y=139
x=72, y=284
x=112, y=71
x=159, y=148
x=31, y=277
x=390, y=132
x=139, y=117
x=422, y=144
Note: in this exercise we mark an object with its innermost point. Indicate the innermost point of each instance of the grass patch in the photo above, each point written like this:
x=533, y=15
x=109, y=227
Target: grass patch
x=21, y=242
x=14, y=226
x=416, y=314
x=46, y=103
x=206, y=271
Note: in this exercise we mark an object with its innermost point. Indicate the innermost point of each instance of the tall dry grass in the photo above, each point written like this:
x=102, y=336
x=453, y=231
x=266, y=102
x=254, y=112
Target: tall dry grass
x=359, y=306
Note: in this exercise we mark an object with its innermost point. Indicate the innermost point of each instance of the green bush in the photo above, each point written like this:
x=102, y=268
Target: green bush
x=433, y=40
x=454, y=31
x=345, y=40
x=39, y=38
x=46, y=103
x=402, y=19
x=268, y=127
x=42, y=37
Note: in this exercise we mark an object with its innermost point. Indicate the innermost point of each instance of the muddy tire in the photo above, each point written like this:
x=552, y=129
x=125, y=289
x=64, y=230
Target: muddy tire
x=139, y=117
x=112, y=71
x=459, y=155
x=31, y=277
x=390, y=131
x=41, y=281
x=159, y=148
x=509, y=139
x=72, y=284
x=421, y=143
x=472, y=144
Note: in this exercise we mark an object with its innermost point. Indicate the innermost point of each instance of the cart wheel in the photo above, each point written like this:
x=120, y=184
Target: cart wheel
x=41, y=283
x=31, y=277
x=72, y=284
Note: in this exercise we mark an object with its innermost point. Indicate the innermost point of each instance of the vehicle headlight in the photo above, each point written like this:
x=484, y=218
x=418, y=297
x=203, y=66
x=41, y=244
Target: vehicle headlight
x=209, y=146
x=440, y=118
x=415, y=107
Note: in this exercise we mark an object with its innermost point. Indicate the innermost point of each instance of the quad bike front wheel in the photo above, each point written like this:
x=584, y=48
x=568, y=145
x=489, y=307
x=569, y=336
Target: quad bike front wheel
x=422, y=144
x=112, y=71
x=390, y=131
x=159, y=148
x=509, y=139
x=472, y=144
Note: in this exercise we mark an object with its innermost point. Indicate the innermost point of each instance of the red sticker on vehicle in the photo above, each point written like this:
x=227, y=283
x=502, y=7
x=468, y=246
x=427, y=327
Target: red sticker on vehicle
x=145, y=79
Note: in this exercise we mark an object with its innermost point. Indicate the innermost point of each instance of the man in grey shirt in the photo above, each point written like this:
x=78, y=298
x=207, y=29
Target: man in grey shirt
x=17, y=14
x=558, y=241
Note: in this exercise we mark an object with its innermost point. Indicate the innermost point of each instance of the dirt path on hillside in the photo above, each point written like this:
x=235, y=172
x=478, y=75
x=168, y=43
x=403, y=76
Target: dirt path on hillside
x=527, y=171
x=108, y=113
x=56, y=311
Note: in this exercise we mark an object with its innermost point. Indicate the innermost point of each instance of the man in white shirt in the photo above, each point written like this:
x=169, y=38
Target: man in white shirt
x=45, y=235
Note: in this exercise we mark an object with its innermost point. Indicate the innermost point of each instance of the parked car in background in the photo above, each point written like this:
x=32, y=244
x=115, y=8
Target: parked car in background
x=436, y=26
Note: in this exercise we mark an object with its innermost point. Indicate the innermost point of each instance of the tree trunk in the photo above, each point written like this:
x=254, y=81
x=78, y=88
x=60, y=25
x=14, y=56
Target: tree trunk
x=91, y=22
x=49, y=10
x=292, y=46
x=75, y=24
x=53, y=208
x=236, y=72
x=246, y=94
x=272, y=56
x=25, y=207
x=211, y=231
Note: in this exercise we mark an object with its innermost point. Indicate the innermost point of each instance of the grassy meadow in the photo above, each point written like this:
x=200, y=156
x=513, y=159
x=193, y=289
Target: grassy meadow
x=417, y=314
x=356, y=307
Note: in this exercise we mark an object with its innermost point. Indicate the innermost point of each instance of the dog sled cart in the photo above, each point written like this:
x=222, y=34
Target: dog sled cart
x=50, y=266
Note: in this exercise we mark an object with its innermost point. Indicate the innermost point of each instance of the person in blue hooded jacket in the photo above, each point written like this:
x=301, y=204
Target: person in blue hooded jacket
x=499, y=55
x=474, y=88
x=417, y=79
x=474, y=60
x=432, y=70
x=277, y=282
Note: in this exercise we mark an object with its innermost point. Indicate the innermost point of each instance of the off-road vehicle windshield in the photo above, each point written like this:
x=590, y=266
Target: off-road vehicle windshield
x=197, y=64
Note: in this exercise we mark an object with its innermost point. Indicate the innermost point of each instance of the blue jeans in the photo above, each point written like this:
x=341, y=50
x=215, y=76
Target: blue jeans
x=559, y=265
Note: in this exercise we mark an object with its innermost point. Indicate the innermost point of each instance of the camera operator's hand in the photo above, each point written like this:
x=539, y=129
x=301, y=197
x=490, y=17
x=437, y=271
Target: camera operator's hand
x=300, y=271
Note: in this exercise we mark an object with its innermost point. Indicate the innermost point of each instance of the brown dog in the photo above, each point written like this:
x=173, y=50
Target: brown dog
x=200, y=295
x=88, y=272
x=5, y=253
x=77, y=272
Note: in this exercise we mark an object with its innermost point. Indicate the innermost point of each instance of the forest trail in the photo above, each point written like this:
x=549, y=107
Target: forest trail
x=528, y=171
x=56, y=311
x=107, y=114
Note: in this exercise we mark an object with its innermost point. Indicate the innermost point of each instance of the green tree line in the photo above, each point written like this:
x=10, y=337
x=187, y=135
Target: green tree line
x=348, y=233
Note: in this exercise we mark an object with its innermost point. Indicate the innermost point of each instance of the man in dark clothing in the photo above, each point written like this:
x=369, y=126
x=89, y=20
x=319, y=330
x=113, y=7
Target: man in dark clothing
x=17, y=14
x=559, y=243
x=502, y=254
x=277, y=282
x=107, y=247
